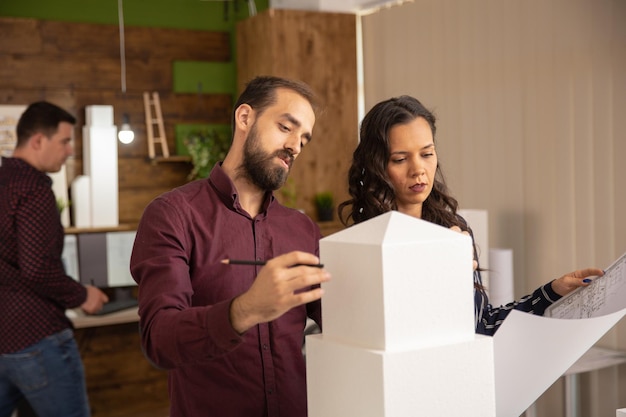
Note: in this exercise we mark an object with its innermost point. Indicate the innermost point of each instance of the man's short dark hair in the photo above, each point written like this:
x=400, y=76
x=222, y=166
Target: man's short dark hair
x=41, y=117
x=260, y=93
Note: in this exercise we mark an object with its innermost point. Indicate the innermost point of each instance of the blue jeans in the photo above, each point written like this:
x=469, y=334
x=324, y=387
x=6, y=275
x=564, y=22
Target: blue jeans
x=49, y=375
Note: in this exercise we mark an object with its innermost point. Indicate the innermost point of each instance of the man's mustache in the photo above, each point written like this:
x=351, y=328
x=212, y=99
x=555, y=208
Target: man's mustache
x=285, y=155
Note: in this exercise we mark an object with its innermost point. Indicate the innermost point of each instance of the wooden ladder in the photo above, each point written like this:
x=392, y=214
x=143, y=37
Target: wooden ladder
x=154, y=116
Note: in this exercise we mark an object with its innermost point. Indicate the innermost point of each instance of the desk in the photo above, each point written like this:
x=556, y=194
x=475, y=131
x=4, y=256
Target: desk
x=594, y=359
x=82, y=320
x=120, y=380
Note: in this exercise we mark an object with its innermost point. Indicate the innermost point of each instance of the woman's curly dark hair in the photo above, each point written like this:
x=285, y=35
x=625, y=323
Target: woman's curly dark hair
x=369, y=186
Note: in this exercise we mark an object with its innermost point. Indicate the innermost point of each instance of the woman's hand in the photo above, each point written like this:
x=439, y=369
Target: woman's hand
x=465, y=232
x=569, y=282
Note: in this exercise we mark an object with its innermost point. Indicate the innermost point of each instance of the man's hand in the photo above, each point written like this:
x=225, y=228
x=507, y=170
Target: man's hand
x=279, y=287
x=95, y=300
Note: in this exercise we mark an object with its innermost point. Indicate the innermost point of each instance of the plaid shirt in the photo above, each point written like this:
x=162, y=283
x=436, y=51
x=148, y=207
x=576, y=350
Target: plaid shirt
x=34, y=289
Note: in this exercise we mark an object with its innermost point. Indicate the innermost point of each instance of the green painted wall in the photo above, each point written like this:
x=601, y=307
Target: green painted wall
x=213, y=15
x=181, y=14
x=204, y=77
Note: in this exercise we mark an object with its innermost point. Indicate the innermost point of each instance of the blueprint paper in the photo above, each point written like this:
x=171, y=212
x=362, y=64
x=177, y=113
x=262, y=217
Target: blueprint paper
x=606, y=294
x=532, y=352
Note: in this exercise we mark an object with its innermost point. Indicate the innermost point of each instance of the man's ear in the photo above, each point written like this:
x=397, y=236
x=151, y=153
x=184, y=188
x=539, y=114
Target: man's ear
x=244, y=117
x=36, y=140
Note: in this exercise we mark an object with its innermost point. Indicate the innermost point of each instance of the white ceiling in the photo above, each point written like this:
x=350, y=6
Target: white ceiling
x=342, y=6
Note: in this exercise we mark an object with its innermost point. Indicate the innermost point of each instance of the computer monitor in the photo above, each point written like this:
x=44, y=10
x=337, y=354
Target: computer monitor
x=102, y=259
x=70, y=257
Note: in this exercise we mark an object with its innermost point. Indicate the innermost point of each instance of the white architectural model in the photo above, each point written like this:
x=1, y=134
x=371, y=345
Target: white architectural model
x=398, y=325
x=100, y=166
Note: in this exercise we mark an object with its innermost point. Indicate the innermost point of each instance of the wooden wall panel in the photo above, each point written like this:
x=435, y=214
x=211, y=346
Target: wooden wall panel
x=108, y=385
x=62, y=97
x=82, y=41
x=136, y=199
x=184, y=45
x=29, y=36
x=75, y=65
x=71, y=72
x=142, y=175
x=20, y=36
x=320, y=49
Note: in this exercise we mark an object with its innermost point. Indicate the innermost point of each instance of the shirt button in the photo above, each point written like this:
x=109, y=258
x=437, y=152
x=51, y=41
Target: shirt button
x=270, y=391
x=265, y=346
x=233, y=341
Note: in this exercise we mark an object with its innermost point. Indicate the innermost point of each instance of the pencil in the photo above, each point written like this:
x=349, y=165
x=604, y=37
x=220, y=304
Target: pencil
x=260, y=263
x=242, y=262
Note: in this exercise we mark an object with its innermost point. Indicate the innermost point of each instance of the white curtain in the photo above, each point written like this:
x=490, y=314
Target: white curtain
x=530, y=97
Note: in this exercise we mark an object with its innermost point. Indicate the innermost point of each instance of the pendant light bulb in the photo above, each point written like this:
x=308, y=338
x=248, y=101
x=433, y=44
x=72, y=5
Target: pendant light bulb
x=126, y=134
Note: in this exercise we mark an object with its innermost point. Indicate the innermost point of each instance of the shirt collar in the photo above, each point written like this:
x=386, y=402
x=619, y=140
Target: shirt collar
x=18, y=163
x=229, y=194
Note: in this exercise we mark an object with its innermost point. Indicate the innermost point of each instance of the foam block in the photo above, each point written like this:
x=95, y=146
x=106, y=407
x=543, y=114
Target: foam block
x=59, y=188
x=81, y=201
x=100, y=164
x=446, y=380
x=99, y=115
x=501, y=285
x=398, y=283
x=478, y=221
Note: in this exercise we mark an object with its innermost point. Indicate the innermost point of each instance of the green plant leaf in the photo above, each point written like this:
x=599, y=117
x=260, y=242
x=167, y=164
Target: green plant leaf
x=206, y=147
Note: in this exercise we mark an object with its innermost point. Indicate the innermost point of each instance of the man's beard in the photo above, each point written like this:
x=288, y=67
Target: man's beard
x=258, y=165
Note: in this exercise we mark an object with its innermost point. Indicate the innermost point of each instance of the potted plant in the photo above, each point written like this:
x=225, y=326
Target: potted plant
x=325, y=206
x=206, y=148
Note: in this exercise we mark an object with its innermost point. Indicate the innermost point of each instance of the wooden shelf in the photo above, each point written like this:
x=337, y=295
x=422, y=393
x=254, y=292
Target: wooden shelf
x=171, y=158
x=82, y=320
x=119, y=228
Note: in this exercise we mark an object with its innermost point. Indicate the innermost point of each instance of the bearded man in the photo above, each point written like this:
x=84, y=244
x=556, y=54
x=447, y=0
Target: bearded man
x=231, y=335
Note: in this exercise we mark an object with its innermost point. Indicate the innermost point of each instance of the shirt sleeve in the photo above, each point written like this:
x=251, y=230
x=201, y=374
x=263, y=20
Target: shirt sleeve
x=174, y=332
x=490, y=317
x=40, y=243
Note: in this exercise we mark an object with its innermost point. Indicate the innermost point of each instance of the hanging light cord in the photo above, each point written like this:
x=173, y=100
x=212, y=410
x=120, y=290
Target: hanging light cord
x=120, y=13
x=125, y=134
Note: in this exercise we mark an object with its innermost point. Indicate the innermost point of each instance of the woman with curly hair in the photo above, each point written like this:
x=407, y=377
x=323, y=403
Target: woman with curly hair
x=395, y=167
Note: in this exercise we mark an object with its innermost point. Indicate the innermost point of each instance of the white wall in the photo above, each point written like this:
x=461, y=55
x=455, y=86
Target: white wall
x=530, y=97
